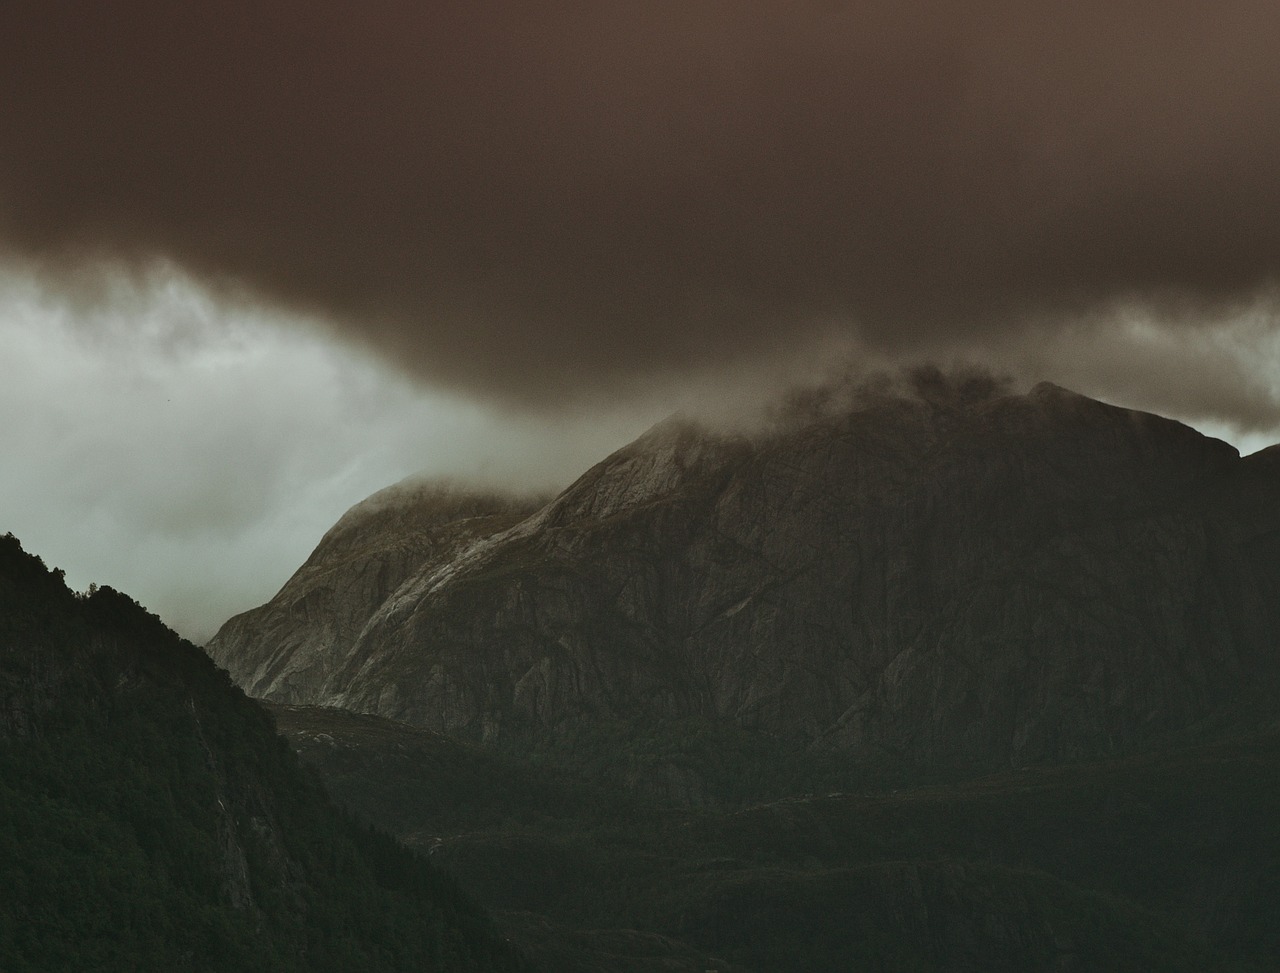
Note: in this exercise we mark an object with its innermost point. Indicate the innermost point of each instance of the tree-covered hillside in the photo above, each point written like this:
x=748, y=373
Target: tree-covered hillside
x=1157, y=862
x=151, y=818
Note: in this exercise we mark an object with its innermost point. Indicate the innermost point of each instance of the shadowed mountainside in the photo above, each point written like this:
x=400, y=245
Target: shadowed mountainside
x=1158, y=862
x=944, y=679
x=151, y=818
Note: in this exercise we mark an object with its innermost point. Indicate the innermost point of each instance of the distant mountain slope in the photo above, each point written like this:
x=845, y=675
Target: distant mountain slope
x=954, y=577
x=315, y=620
x=151, y=818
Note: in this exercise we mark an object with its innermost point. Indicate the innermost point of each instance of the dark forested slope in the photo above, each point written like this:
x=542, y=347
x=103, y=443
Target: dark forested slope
x=1159, y=862
x=151, y=818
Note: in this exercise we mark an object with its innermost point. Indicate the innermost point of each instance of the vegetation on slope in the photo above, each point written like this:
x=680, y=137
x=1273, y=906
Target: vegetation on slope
x=1164, y=861
x=151, y=818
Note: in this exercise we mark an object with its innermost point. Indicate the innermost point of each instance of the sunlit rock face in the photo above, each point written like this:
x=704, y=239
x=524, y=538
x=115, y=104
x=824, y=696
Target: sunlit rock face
x=944, y=578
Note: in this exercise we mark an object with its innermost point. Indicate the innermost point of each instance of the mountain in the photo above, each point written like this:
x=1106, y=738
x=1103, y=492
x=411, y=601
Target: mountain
x=936, y=677
x=307, y=630
x=151, y=818
x=951, y=578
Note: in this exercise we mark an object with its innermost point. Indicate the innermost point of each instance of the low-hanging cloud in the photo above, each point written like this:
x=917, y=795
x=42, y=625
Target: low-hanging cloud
x=544, y=201
x=193, y=455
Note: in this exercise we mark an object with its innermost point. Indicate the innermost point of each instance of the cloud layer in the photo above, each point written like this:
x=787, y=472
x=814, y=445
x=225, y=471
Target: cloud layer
x=193, y=455
x=544, y=202
x=160, y=438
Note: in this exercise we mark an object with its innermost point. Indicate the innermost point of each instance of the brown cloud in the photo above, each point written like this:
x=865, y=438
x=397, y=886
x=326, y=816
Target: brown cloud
x=532, y=200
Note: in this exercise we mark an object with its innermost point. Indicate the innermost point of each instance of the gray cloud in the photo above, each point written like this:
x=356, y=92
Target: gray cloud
x=1221, y=373
x=162, y=439
x=192, y=456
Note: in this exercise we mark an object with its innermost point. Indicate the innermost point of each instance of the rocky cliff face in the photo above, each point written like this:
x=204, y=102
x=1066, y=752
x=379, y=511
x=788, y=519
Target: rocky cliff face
x=948, y=577
x=286, y=649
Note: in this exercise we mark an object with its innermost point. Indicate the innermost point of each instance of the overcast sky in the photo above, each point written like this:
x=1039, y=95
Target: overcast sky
x=258, y=260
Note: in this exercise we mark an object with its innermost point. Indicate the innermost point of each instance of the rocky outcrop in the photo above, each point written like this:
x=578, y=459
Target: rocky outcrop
x=946, y=577
x=286, y=649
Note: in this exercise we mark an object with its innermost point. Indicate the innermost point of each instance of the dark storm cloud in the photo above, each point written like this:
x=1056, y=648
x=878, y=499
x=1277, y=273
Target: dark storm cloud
x=532, y=199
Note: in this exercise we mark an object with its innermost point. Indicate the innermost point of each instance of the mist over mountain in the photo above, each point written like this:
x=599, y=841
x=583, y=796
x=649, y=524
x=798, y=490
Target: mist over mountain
x=948, y=574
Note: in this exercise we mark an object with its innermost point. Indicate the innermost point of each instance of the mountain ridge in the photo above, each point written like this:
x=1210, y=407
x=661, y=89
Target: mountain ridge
x=377, y=545
x=959, y=576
